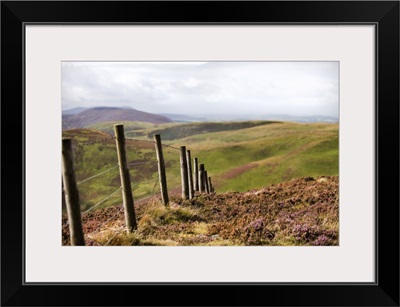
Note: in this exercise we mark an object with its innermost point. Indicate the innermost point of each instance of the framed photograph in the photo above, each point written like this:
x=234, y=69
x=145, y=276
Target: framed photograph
x=248, y=151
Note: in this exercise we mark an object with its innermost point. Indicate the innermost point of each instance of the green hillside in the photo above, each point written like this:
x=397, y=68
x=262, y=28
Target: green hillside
x=184, y=130
x=255, y=157
x=238, y=156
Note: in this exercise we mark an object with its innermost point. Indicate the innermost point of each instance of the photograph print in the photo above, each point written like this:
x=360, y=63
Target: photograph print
x=219, y=153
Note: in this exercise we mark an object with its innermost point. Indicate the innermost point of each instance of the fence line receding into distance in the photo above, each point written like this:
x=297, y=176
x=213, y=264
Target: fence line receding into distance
x=192, y=181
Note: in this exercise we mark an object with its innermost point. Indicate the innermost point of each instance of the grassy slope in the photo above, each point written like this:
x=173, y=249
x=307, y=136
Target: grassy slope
x=255, y=157
x=237, y=160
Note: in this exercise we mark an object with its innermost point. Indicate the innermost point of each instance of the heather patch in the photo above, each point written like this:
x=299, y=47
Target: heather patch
x=300, y=212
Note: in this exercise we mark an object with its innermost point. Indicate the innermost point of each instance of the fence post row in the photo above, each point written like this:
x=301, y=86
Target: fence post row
x=196, y=174
x=190, y=174
x=161, y=169
x=71, y=194
x=127, y=198
x=184, y=173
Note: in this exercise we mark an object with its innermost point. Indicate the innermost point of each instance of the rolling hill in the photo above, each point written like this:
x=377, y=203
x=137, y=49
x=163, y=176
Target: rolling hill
x=238, y=157
x=181, y=131
x=109, y=114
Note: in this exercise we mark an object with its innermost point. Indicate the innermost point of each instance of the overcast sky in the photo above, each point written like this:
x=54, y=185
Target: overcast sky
x=196, y=88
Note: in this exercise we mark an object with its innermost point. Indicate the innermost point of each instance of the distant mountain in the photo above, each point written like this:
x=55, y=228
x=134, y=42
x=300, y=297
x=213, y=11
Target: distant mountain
x=183, y=118
x=278, y=117
x=304, y=119
x=74, y=111
x=107, y=114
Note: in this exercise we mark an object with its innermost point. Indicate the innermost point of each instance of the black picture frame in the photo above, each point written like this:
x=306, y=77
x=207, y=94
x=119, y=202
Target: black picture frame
x=383, y=14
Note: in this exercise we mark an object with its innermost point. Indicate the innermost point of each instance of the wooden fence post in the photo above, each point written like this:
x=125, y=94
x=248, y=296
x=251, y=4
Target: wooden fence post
x=190, y=174
x=63, y=205
x=210, y=184
x=196, y=174
x=206, y=182
x=127, y=198
x=161, y=170
x=184, y=173
x=202, y=185
x=71, y=194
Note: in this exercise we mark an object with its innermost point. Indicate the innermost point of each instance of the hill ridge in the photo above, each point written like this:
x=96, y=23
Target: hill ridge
x=107, y=114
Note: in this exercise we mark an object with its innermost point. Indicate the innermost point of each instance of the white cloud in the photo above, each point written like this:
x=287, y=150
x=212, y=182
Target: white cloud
x=195, y=88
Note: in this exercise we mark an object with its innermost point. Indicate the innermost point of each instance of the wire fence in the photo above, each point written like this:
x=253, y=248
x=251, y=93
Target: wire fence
x=96, y=163
x=99, y=174
x=140, y=170
x=103, y=200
